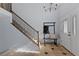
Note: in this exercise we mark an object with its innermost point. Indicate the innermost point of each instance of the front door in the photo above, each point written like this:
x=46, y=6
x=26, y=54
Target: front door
x=67, y=32
x=74, y=35
x=70, y=36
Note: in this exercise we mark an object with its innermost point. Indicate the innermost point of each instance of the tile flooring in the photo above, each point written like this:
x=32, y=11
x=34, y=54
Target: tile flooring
x=48, y=50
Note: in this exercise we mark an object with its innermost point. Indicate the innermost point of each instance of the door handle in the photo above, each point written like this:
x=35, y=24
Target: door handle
x=69, y=33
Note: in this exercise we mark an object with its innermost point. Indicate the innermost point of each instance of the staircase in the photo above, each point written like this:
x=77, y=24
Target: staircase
x=25, y=28
x=22, y=28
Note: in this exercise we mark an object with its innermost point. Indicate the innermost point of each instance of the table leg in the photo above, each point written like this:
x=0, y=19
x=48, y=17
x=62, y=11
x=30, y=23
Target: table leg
x=44, y=43
x=55, y=41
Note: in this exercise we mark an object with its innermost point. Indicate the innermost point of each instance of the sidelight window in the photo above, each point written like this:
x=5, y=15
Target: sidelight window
x=65, y=27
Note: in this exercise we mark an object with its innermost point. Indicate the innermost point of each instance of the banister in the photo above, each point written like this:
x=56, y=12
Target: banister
x=24, y=21
x=29, y=26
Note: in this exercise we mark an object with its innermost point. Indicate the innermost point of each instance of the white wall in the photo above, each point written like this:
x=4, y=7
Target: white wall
x=68, y=11
x=34, y=14
x=5, y=14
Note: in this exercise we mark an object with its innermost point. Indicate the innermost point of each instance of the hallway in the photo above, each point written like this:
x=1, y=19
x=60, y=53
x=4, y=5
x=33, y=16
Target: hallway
x=25, y=26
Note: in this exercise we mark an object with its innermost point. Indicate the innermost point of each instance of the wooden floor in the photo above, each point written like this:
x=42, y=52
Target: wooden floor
x=48, y=50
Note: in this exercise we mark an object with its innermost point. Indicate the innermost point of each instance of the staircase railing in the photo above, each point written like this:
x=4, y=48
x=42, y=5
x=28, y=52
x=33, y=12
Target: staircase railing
x=25, y=28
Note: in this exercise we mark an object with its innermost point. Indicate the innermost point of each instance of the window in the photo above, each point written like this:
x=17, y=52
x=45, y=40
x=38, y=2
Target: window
x=74, y=25
x=65, y=27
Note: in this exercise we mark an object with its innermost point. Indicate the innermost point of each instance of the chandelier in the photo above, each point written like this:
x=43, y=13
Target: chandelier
x=51, y=6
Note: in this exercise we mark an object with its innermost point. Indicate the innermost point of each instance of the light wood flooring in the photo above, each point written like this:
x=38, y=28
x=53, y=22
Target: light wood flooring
x=48, y=50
